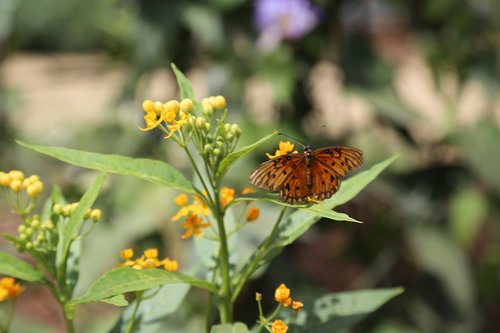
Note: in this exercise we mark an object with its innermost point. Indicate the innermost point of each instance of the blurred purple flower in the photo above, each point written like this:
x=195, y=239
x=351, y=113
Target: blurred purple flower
x=284, y=19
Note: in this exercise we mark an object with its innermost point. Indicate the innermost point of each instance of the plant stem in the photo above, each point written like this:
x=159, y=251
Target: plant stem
x=130, y=323
x=226, y=308
x=260, y=252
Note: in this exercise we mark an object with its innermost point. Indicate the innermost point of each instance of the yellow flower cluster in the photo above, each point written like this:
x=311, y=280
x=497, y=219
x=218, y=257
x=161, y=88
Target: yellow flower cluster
x=149, y=259
x=16, y=181
x=194, y=211
x=173, y=114
x=284, y=148
x=36, y=234
x=279, y=326
x=9, y=289
x=283, y=296
x=212, y=103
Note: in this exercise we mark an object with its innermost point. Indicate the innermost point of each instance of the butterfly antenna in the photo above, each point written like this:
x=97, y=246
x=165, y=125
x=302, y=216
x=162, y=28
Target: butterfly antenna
x=291, y=137
x=316, y=134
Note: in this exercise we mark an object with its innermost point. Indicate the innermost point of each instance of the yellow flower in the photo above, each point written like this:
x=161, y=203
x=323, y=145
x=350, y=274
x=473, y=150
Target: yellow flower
x=177, y=124
x=218, y=102
x=151, y=253
x=284, y=148
x=252, y=214
x=279, y=327
x=193, y=223
x=297, y=305
x=126, y=254
x=282, y=295
x=170, y=265
x=197, y=207
x=226, y=196
x=181, y=199
x=9, y=289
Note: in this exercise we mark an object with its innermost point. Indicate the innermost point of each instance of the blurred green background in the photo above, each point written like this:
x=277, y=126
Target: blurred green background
x=418, y=77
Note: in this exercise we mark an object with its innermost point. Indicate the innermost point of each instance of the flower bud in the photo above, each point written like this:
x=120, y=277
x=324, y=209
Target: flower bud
x=207, y=149
x=200, y=123
x=207, y=127
x=148, y=106
x=5, y=179
x=16, y=185
x=57, y=209
x=21, y=229
x=28, y=231
x=35, y=223
x=96, y=215
x=158, y=107
x=218, y=102
x=29, y=245
x=207, y=107
x=227, y=127
x=172, y=106
x=216, y=152
x=236, y=130
x=16, y=175
x=186, y=105
x=34, y=189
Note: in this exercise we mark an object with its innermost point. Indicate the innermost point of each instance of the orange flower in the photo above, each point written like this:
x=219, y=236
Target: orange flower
x=247, y=190
x=193, y=223
x=9, y=289
x=279, y=327
x=297, y=305
x=252, y=214
x=226, y=196
x=282, y=295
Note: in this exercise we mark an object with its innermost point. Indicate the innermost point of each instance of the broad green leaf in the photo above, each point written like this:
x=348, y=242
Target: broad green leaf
x=234, y=156
x=117, y=300
x=19, y=269
x=125, y=279
x=153, y=171
x=339, y=311
x=184, y=85
x=155, y=307
x=230, y=328
x=70, y=229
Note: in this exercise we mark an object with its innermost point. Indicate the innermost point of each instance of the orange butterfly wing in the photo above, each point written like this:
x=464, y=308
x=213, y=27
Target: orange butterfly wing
x=271, y=174
x=300, y=178
x=328, y=166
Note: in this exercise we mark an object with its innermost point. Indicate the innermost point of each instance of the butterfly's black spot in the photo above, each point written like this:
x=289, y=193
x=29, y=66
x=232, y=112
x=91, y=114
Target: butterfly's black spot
x=293, y=176
x=296, y=188
x=323, y=183
x=337, y=150
x=287, y=187
x=333, y=163
x=332, y=178
x=284, y=163
x=288, y=158
x=274, y=175
x=284, y=172
x=341, y=163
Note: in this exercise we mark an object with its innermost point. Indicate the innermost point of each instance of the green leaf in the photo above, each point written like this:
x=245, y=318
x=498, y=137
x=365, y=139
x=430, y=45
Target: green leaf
x=183, y=83
x=125, y=279
x=155, y=307
x=9, y=237
x=230, y=328
x=234, y=156
x=338, y=311
x=17, y=268
x=118, y=300
x=70, y=229
x=153, y=171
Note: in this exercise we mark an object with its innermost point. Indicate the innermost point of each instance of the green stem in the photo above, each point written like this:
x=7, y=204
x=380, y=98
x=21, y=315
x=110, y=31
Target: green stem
x=130, y=323
x=260, y=253
x=197, y=171
x=226, y=308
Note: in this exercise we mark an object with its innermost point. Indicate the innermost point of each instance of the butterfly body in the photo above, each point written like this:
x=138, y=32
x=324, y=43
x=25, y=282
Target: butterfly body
x=310, y=176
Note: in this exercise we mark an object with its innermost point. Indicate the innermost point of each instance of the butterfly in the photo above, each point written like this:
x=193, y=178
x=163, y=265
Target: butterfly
x=310, y=176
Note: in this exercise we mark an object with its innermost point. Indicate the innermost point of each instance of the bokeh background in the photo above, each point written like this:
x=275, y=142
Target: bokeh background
x=414, y=77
